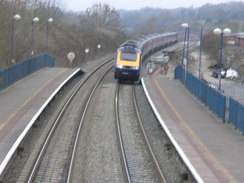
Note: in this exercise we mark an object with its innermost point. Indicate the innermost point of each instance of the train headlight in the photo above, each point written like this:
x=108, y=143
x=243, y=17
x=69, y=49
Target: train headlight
x=119, y=66
x=135, y=68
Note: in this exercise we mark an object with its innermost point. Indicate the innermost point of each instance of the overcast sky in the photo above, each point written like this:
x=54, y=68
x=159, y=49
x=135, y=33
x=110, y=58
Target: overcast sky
x=78, y=5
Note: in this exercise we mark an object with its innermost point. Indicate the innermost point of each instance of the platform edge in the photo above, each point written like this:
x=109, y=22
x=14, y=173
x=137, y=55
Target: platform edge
x=172, y=139
x=26, y=130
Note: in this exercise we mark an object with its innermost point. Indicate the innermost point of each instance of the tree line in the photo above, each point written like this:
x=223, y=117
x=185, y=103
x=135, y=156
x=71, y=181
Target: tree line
x=69, y=31
x=99, y=24
x=207, y=16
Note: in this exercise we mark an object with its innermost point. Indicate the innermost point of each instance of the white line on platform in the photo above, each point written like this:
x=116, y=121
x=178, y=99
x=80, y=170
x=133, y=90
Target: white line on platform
x=172, y=139
x=26, y=130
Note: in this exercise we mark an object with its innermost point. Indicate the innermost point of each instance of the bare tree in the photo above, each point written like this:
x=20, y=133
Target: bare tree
x=100, y=24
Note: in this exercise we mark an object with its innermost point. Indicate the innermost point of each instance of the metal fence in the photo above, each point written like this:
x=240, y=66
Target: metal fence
x=209, y=96
x=22, y=69
x=234, y=90
x=236, y=114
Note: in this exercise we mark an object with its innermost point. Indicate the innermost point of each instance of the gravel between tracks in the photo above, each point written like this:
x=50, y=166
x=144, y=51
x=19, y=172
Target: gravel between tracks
x=97, y=157
x=53, y=167
x=140, y=164
x=21, y=164
x=169, y=161
x=23, y=156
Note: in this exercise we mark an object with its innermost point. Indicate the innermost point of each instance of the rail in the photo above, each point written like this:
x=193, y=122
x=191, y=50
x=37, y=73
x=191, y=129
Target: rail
x=13, y=149
x=149, y=168
x=61, y=113
x=121, y=146
x=81, y=123
x=155, y=161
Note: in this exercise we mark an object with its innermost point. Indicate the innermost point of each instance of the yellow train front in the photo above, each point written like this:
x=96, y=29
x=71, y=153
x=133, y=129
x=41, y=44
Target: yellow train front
x=128, y=63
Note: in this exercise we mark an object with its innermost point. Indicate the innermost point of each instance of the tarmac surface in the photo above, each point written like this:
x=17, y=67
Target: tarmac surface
x=22, y=102
x=214, y=150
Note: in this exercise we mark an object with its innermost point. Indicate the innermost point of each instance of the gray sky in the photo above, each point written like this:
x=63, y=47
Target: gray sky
x=78, y=5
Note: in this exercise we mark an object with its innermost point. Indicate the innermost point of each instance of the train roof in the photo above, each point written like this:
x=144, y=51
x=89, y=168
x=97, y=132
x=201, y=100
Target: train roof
x=139, y=41
x=129, y=48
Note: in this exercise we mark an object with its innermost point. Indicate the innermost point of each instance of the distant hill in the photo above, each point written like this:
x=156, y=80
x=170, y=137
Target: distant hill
x=208, y=16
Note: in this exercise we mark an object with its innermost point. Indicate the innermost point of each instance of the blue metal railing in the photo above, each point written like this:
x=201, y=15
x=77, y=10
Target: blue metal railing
x=215, y=101
x=236, y=114
x=22, y=69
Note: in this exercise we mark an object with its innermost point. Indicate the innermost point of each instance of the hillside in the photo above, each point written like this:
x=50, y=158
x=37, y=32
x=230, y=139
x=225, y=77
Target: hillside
x=150, y=20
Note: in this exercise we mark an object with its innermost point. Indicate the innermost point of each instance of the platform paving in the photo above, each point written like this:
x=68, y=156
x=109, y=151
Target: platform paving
x=214, y=149
x=20, y=102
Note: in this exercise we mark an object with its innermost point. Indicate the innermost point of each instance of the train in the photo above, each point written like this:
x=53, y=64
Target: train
x=130, y=54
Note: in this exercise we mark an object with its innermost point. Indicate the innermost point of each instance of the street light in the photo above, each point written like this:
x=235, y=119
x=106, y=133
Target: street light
x=200, y=52
x=86, y=52
x=186, y=38
x=184, y=25
x=187, y=47
x=50, y=20
x=218, y=31
x=15, y=18
x=98, y=48
x=34, y=20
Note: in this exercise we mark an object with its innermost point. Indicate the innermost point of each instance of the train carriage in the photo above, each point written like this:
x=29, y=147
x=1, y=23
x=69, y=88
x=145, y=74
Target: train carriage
x=131, y=53
x=128, y=62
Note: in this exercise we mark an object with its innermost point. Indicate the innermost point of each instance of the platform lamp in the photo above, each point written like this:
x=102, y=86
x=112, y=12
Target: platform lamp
x=49, y=21
x=86, y=52
x=200, y=52
x=185, y=26
x=185, y=61
x=34, y=20
x=187, y=47
x=98, y=49
x=218, y=31
x=15, y=18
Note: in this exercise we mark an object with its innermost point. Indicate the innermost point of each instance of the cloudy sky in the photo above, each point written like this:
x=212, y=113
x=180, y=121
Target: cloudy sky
x=78, y=5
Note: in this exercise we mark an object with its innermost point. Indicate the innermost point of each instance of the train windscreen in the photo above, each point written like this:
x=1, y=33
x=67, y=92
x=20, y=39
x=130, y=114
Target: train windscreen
x=128, y=56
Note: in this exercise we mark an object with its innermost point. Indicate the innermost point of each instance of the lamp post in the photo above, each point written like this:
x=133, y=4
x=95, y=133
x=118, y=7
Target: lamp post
x=49, y=21
x=218, y=31
x=15, y=18
x=184, y=25
x=184, y=61
x=200, y=53
x=34, y=20
x=98, y=49
x=86, y=52
x=187, y=47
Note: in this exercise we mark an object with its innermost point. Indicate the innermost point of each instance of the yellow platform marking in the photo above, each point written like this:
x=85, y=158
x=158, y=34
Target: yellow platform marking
x=183, y=122
x=2, y=125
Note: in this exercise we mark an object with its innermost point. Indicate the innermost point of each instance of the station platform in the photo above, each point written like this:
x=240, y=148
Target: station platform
x=22, y=103
x=212, y=150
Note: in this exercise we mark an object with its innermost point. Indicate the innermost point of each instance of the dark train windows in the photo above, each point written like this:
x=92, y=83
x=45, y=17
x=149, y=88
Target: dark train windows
x=128, y=56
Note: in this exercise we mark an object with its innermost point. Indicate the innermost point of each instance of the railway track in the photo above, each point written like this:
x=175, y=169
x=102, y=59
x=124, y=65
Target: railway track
x=80, y=126
x=96, y=156
x=51, y=160
x=140, y=164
